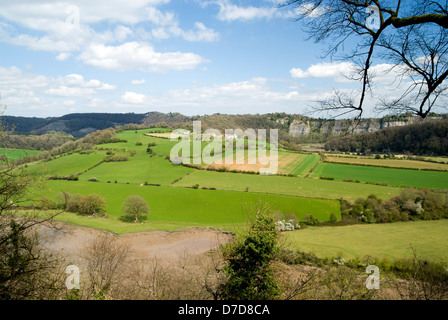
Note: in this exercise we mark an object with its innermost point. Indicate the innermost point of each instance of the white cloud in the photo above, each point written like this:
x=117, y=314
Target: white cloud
x=138, y=82
x=325, y=70
x=138, y=56
x=105, y=27
x=251, y=96
x=201, y=33
x=133, y=98
x=232, y=12
x=63, y=56
x=30, y=94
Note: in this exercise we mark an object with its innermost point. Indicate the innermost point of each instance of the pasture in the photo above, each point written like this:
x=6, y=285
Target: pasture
x=67, y=165
x=14, y=154
x=390, y=176
x=193, y=207
x=293, y=186
x=389, y=240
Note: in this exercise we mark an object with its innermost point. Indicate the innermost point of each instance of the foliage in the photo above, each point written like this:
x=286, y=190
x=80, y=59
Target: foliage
x=90, y=204
x=249, y=274
x=427, y=137
x=135, y=209
x=410, y=204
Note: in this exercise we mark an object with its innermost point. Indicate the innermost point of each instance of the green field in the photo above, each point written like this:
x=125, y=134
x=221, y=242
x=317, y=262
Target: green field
x=303, y=165
x=139, y=169
x=14, y=154
x=195, y=207
x=293, y=186
x=393, y=177
x=391, y=240
x=67, y=165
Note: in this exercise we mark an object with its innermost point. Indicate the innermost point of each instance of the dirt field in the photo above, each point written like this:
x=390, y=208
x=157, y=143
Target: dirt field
x=70, y=240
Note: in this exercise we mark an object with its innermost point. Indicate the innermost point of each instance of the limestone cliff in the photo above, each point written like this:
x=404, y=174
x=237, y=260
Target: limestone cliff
x=303, y=126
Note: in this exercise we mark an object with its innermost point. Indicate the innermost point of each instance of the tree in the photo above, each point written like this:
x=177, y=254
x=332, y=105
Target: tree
x=135, y=209
x=248, y=271
x=410, y=35
x=27, y=270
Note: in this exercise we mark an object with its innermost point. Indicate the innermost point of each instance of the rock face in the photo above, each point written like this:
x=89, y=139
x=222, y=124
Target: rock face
x=303, y=126
x=299, y=127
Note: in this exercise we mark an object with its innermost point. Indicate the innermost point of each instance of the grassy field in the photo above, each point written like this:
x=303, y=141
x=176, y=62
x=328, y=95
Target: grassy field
x=194, y=207
x=392, y=163
x=67, y=165
x=393, y=177
x=391, y=240
x=139, y=169
x=293, y=186
x=14, y=154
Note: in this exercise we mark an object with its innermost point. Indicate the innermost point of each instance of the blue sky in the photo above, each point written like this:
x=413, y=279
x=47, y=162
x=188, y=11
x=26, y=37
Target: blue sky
x=188, y=56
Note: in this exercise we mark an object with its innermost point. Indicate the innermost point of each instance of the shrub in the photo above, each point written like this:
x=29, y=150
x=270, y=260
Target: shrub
x=46, y=203
x=93, y=179
x=311, y=220
x=333, y=218
x=116, y=158
x=248, y=269
x=91, y=204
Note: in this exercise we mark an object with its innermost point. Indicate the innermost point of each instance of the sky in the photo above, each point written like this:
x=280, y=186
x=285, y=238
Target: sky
x=195, y=57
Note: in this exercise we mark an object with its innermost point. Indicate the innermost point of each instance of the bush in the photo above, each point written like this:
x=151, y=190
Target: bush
x=248, y=269
x=46, y=203
x=93, y=179
x=116, y=158
x=86, y=205
x=311, y=220
x=91, y=204
x=333, y=218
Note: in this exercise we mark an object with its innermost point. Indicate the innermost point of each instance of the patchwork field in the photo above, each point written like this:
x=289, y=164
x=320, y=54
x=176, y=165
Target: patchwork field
x=392, y=163
x=188, y=197
x=393, y=177
x=288, y=162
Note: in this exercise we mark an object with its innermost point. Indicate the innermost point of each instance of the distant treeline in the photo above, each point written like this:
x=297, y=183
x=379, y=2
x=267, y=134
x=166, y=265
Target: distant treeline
x=76, y=124
x=46, y=141
x=83, y=144
x=426, y=138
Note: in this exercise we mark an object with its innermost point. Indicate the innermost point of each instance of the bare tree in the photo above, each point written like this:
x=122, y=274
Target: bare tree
x=410, y=35
x=106, y=263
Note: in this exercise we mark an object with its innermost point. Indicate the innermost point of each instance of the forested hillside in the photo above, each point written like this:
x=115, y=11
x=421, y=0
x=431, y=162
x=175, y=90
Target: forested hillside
x=429, y=137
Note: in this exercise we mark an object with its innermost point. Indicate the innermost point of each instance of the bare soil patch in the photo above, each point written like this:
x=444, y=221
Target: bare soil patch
x=164, y=245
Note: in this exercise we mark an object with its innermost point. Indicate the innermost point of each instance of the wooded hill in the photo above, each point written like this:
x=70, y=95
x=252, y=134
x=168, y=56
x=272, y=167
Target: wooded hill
x=426, y=138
